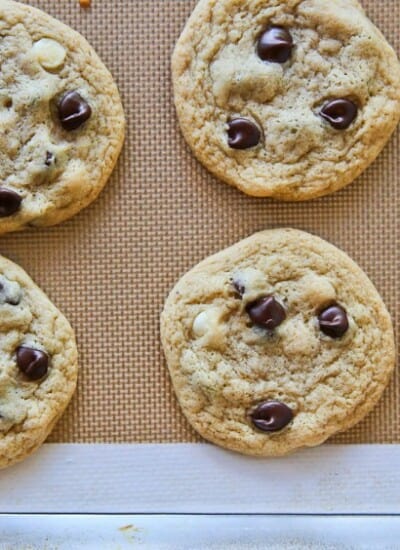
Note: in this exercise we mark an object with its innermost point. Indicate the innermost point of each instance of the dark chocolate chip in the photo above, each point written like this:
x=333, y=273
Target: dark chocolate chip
x=266, y=312
x=10, y=202
x=271, y=416
x=340, y=113
x=32, y=362
x=275, y=45
x=13, y=301
x=243, y=133
x=333, y=321
x=49, y=158
x=239, y=287
x=73, y=111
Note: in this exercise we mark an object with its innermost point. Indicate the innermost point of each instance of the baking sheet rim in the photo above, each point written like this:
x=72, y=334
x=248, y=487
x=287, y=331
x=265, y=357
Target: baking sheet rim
x=201, y=478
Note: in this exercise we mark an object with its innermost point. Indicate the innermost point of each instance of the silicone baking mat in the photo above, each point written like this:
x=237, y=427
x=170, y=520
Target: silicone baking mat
x=110, y=268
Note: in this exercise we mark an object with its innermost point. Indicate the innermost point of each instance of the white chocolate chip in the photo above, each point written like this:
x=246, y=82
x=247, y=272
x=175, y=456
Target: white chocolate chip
x=49, y=53
x=207, y=325
x=205, y=321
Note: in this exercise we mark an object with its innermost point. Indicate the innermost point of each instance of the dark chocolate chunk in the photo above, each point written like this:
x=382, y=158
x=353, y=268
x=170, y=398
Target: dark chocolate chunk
x=73, y=111
x=275, y=45
x=271, y=416
x=340, y=113
x=32, y=362
x=266, y=312
x=10, y=202
x=333, y=321
x=243, y=133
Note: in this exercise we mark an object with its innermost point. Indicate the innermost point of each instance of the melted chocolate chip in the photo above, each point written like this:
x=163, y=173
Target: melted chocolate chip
x=340, y=113
x=239, y=287
x=266, y=312
x=10, y=202
x=49, y=158
x=13, y=300
x=243, y=133
x=32, y=362
x=275, y=45
x=271, y=416
x=10, y=292
x=73, y=111
x=333, y=321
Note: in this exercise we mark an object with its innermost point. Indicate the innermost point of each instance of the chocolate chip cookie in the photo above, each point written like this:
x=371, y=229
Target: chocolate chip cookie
x=38, y=364
x=287, y=99
x=276, y=343
x=61, y=120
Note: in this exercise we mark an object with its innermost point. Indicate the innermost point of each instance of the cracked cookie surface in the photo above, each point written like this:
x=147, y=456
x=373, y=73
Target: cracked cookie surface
x=38, y=364
x=279, y=64
x=57, y=150
x=276, y=343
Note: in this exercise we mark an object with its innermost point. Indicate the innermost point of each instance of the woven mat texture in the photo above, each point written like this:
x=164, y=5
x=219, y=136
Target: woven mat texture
x=110, y=268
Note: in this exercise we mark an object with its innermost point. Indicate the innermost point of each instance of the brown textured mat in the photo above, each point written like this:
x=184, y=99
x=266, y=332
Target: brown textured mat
x=109, y=268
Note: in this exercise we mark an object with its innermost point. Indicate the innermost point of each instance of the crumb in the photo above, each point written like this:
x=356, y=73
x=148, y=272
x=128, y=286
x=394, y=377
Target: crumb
x=126, y=527
x=129, y=527
x=85, y=3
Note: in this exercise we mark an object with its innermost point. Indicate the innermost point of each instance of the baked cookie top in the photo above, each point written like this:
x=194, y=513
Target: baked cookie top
x=288, y=99
x=38, y=364
x=61, y=120
x=276, y=343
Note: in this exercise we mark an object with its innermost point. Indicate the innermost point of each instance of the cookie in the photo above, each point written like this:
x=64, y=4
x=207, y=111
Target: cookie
x=39, y=367
x=61, y=120
x=276, y=343
x=287, y=99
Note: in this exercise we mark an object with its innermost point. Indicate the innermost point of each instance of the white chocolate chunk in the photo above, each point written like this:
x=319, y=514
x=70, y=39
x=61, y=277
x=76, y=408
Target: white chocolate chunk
x=205, y=321
x=50, y=54
x=207, y=325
